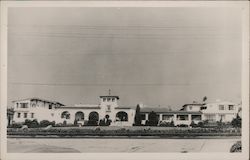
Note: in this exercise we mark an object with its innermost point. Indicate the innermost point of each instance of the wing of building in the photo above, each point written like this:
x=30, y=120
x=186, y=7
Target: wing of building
x=108, y=108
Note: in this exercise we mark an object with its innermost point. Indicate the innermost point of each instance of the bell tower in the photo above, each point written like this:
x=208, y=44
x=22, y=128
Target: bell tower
x=109, y=102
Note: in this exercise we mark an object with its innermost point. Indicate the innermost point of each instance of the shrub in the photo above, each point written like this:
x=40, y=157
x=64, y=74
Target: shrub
x=31, y=123
x=200, y=124
x=193, y=124
x=92, y=123
x=236, y=147
x=105, y=121
x=16, y=125
x=236, y=122
x=45, y=123
x=58, y=124
x=34, y=124
x=166, y=124
x=182, y=125
x=75, y=122
x=27, y=122
x=64, y=123
x=152, y=119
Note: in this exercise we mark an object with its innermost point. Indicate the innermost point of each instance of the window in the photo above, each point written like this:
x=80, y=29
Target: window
x=25, y=115
x=121, y=116
x=143, y=117
x=32, y=115
x=210, y=117
x=196, y=117
x=182, y=117
x=108, y=99
x=104, y=99
x=24, y=105
x=113, y=99
x=17, y=105
x=221, y=107
x=50, y=106
x=18, y=115
x=202, y=108
x=190, y=107
x=167, y=117
x=222, y=117
x=108, y=108
x=230, y=107
x=65, y=115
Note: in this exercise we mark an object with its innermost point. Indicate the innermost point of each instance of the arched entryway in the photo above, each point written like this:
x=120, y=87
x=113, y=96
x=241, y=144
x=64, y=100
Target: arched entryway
x=65, y=115
x=121, y=116
x=93, y=119
x=79, y=116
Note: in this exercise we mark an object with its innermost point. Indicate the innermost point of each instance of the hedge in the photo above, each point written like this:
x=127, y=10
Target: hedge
x=99, y=131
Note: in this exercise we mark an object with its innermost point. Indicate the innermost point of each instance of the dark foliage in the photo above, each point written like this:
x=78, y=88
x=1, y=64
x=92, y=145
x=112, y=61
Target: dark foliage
x=236, y=122
x=137, y=116
x=236, y=147
x=45, y=123
x=105, y=121
x=92, y=123
x=152, y=119
x=182, y=125
x=167, y=124
x=31, y=123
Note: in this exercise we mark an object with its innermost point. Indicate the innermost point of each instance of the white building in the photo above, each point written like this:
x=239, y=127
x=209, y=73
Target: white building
x=36, y=108
x=40, y=109
x=177, y=117
x=220, y=111
x=223, y=111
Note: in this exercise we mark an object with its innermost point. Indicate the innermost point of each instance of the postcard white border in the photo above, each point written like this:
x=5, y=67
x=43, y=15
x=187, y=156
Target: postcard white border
x=244, y=5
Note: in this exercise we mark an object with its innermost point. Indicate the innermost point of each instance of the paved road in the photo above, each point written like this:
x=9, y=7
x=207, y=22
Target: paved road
x=56, y=145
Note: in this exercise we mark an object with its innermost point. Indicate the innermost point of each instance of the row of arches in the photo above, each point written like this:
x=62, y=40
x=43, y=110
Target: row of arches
x=94, y=116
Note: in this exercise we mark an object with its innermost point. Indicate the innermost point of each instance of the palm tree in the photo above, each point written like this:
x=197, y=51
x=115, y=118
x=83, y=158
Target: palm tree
x=204, y=99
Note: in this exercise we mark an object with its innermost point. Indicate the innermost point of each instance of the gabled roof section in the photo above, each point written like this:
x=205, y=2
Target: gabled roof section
x=39, y=99
x=166, y=111
x=193, y=104
x=155, y=109
x=221, y=102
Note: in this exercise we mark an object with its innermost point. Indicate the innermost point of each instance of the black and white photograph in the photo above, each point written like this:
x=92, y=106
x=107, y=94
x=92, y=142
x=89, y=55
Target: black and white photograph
x=117, y=77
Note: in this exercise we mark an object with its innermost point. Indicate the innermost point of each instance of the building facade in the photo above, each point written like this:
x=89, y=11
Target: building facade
x=220, y=111
x=108, y=109
x=39, y=109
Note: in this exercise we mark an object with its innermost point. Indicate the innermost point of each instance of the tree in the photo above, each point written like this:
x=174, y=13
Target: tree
x=236, y=122
x=204, y=99
x=105, y=121
x=137, y=116
x=152, y=119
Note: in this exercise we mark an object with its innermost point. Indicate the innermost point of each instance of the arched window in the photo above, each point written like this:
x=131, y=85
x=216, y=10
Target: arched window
x=94, y=116
x=122, y=116
x=65, y=115
x=93, y=119
x=79, y=116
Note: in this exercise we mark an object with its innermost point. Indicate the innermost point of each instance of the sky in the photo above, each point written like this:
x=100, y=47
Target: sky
x=156, y=56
